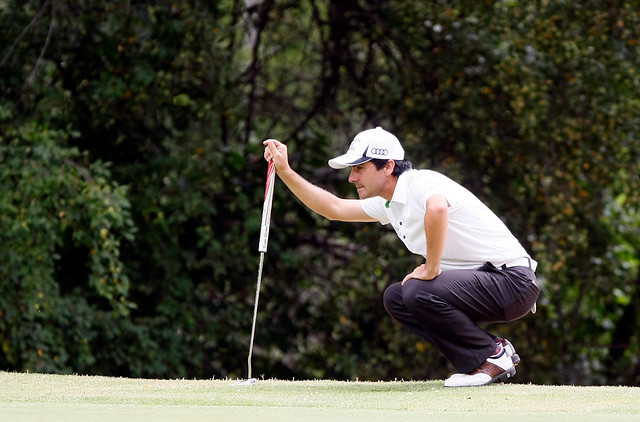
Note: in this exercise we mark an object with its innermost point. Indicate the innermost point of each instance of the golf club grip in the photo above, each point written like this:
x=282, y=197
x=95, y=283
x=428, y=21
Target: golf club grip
x=266, y=208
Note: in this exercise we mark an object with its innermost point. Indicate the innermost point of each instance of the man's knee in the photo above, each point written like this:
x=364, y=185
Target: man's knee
x=392, y=297
x=415, y=295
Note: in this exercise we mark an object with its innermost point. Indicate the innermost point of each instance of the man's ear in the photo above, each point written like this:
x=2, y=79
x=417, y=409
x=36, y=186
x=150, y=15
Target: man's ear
x=390, y=166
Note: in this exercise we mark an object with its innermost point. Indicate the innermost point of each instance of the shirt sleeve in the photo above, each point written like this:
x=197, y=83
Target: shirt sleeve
x=431, y=185
x=374, y=208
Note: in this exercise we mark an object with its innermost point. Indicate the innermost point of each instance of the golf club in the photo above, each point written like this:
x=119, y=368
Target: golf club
x=262, y=248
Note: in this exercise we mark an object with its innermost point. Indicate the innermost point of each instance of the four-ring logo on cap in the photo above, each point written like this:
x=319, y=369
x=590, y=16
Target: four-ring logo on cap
x=379, y=151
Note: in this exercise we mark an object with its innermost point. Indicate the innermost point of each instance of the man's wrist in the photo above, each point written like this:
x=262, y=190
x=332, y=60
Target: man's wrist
x=432, y=265
x=286, y=173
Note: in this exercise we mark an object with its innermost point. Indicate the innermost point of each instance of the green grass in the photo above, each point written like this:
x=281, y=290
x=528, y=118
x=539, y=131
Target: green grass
x=38, y=397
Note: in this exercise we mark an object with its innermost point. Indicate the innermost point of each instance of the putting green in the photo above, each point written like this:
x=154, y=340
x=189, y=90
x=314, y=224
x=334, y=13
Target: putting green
x=36, y=397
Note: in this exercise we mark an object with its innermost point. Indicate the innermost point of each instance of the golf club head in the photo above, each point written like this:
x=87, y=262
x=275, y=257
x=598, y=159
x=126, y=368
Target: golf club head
x=250, y=381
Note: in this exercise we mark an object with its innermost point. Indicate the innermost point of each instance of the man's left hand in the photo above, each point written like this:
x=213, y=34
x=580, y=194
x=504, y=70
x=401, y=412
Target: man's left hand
x=423, y=272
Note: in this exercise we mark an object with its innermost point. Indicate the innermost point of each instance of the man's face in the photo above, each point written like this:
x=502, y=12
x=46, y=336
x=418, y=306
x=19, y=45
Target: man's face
x=369, y=181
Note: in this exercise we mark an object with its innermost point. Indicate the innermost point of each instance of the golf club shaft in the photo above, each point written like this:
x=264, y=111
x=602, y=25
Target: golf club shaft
x=255, y=314
x=262, y=248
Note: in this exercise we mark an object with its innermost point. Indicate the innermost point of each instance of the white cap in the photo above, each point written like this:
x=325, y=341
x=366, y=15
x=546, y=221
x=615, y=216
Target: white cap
x=367, y=145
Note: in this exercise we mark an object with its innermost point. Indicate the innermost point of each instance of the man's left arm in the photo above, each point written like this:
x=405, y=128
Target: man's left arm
x=435, y=227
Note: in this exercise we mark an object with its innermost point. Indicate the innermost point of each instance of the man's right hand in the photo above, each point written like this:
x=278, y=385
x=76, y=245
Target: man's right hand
x=277, y=151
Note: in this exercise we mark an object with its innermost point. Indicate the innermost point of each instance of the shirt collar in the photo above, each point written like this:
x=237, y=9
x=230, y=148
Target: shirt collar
x=402, y=189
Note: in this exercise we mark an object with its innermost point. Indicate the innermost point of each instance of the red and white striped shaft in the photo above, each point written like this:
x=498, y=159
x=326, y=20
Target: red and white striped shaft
x=266, y=208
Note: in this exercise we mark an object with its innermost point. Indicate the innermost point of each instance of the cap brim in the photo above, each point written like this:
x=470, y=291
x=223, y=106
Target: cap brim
x=347, y=160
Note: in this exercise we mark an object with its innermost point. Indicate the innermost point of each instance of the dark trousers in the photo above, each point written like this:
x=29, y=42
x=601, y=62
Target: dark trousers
x=445, y=311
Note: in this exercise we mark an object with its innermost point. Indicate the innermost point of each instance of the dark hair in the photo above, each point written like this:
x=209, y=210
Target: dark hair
x=400, y=167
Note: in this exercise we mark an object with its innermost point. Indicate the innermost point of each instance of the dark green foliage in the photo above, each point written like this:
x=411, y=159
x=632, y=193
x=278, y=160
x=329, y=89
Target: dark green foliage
x=146, y=266
x=63, y=222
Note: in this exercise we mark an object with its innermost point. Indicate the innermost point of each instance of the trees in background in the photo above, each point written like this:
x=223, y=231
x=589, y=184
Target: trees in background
x=57, y=207
x=133, y=175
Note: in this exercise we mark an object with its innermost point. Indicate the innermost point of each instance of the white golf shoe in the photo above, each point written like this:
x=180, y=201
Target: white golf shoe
x=499, y=367
x=509, y=349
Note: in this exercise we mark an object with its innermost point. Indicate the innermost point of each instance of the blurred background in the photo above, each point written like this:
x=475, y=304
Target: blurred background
x=132, y=180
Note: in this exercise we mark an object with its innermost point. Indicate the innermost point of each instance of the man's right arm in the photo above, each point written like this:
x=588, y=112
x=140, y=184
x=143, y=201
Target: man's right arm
x=319, y=200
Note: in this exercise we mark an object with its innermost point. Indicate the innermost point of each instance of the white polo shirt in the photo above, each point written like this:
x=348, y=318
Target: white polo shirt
x=475, y=235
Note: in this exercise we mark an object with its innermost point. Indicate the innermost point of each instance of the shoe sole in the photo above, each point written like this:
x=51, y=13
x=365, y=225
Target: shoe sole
x=505, y=376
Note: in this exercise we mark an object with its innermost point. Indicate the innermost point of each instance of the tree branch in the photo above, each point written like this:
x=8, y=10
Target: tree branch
x=23, y=33
x=52, y=24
